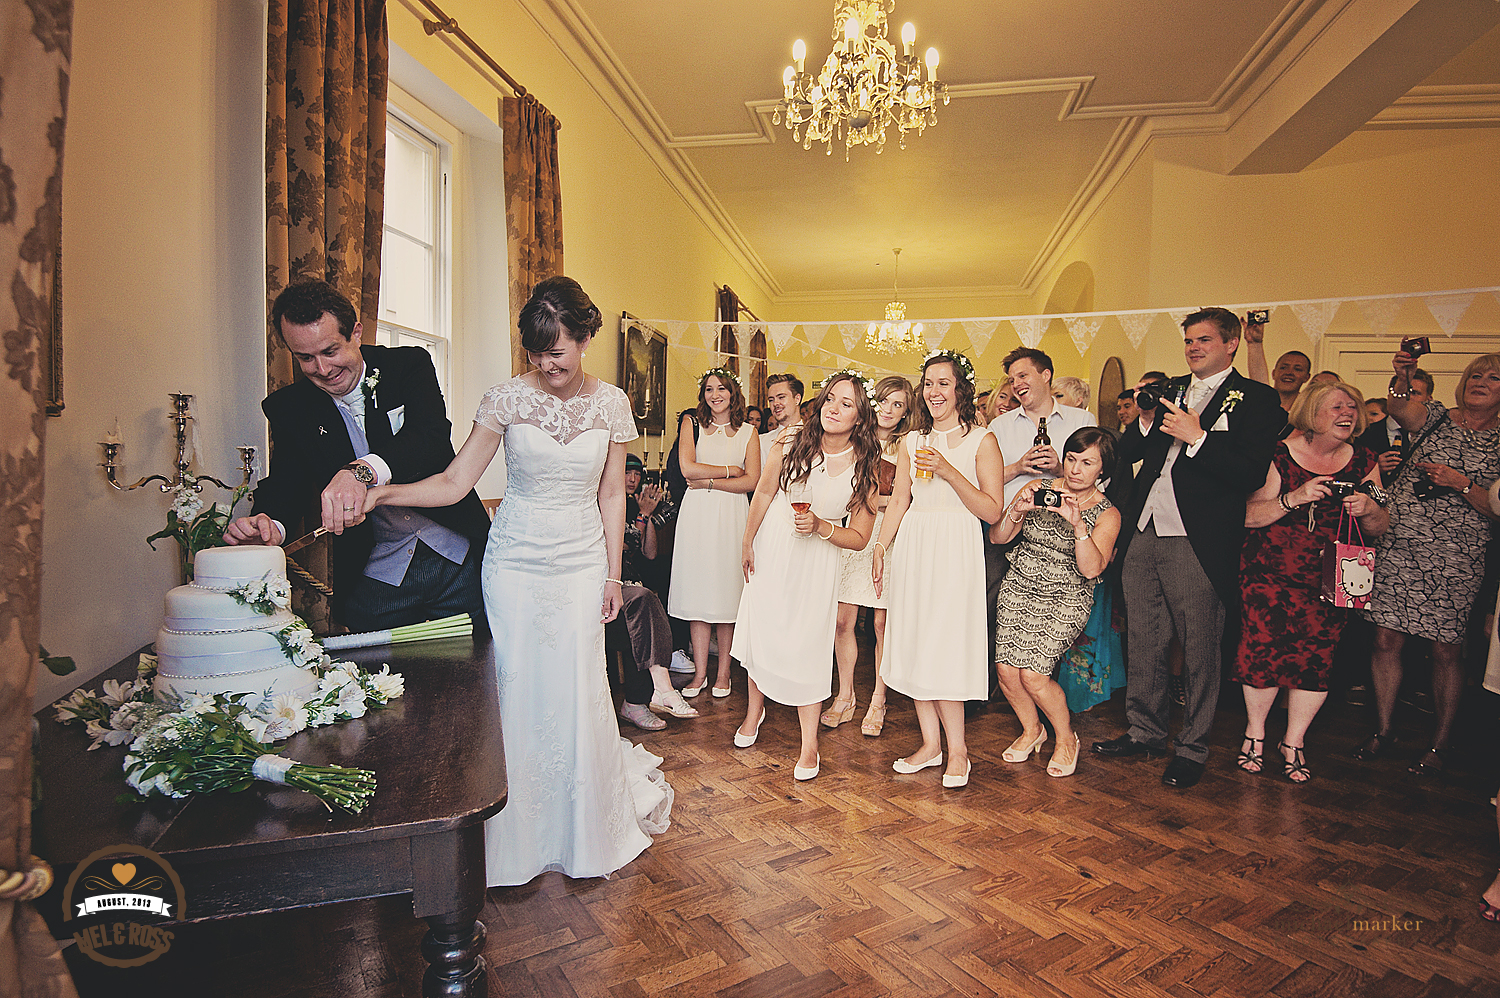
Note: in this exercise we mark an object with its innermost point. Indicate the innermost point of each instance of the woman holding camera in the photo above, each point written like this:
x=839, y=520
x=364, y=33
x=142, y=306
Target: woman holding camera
x=1288, y=634
x=1068, y=530
x=1428, y=567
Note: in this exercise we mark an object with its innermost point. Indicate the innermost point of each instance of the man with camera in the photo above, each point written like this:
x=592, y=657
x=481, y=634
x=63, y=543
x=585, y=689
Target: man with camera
x=1205, y=442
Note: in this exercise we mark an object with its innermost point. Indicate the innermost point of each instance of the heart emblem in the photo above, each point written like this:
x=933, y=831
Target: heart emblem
x=124, y=873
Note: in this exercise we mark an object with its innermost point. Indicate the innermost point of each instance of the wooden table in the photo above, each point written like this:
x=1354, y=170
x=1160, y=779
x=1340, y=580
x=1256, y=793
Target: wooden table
x=440, y=766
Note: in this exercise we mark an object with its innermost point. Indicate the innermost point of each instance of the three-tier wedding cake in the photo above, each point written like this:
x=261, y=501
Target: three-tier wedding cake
x=226, y=631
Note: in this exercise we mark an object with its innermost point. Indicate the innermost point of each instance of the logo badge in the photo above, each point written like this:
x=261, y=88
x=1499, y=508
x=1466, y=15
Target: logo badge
x=116, y=902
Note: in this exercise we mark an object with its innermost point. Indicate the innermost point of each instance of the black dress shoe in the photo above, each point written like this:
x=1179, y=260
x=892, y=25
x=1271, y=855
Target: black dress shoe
x=1182, y=773
x=1125, y=745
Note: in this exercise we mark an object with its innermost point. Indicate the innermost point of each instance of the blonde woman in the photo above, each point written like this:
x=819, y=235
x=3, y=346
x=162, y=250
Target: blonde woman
x=721, y=467
x=893, y=399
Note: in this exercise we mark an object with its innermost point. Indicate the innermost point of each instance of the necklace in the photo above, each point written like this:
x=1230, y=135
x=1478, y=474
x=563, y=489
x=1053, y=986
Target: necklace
x=1475, y=426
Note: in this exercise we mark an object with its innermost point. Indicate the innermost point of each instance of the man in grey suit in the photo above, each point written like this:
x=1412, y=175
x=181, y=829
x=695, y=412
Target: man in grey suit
x=1204, y=449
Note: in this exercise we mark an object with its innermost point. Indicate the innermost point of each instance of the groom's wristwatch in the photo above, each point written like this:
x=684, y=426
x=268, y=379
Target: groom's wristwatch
x=362, y=472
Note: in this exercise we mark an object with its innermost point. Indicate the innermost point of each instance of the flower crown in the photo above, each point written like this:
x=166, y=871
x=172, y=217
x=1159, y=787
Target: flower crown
x=867, y=383
x=723, y=374
x=955, y=358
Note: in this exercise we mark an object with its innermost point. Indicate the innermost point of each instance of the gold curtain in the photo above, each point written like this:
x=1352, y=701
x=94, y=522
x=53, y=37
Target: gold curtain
x=326, y=80
x=533, y=206
x=35, y=58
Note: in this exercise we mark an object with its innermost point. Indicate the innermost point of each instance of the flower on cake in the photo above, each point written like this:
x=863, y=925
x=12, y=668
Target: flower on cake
x=265, y=595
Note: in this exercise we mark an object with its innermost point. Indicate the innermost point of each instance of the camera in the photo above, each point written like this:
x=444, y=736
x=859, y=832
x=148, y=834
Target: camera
x=1257, y=317
x=1047, y=498
x=1150, y=396
x=1416, y=345
x=1340, y=490
x=1426, y=489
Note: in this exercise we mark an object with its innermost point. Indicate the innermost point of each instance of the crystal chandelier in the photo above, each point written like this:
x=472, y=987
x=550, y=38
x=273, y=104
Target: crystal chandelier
x=895, y=334
x=864, y=86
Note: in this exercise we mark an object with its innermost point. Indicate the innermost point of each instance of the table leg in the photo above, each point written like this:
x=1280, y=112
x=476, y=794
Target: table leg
x=452, y=947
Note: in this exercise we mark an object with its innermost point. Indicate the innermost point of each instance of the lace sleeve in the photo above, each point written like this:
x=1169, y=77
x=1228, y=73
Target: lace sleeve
x=497, y=408
x=618, y=416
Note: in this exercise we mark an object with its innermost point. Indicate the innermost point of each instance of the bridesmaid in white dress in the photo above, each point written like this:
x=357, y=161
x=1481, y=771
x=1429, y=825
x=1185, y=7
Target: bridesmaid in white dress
x=893, y=402
x=935, y=644
x=791, y=557
x=721, y=469
x=583, y=800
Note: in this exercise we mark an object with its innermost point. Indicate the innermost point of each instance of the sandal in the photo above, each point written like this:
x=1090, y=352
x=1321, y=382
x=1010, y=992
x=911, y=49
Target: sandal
x=1373, y=747
x=1251, y=761
x=874, y=721
x=1296, y=766
x=1431, y=764
x=839, y=711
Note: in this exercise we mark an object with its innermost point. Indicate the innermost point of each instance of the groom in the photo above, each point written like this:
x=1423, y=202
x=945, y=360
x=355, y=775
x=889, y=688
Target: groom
x=362, y=416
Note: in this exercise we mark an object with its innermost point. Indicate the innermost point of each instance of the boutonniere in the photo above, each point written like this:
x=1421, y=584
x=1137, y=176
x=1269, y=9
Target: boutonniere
x=1231, y=400
x=371, y=380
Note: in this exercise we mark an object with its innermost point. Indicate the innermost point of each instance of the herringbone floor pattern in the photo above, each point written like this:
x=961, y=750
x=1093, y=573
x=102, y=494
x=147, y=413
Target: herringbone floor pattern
x=1364, y=882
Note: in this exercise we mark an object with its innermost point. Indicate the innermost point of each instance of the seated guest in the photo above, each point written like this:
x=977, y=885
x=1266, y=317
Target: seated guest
x=363, y=416
x=1071, y=391
x=1049, y=591
x=648, y=685
x=1429, y=565
x=1288, y=632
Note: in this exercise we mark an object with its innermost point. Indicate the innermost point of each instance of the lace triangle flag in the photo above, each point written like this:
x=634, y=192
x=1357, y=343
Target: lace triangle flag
x=1178, y=314
x=1083, y=332
x=675, y=328
x=1029, y=329
x=709, y=331
x=851, y=333
x=933, y=333
x=1315, y=317
x=1136, y=325
x=1380, y=313
x=980, y=331
x=1448, y=309
x=780, y=333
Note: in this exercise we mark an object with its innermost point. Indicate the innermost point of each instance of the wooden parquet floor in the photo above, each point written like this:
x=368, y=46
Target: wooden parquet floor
x=864, y=883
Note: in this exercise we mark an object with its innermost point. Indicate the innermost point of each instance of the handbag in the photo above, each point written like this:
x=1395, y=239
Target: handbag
x=1348, y=566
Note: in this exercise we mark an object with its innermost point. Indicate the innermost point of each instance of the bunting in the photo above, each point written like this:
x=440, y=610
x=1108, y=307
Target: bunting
x=1315, y=317
x=851, y=333
x=1136, y=325
x=980, y=332
x=1380, y=314
x=1029, y=329
x=1448, y=309
x=933, y=333
x=1083, y=332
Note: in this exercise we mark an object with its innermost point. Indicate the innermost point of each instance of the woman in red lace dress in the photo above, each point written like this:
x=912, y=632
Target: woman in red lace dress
x=1288, y=633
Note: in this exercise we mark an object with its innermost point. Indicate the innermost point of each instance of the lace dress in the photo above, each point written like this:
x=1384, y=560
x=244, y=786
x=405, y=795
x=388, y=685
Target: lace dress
x=1044, y=601
x=706, y=573
x=784, y=632
x=583, y=800
x=856, y=585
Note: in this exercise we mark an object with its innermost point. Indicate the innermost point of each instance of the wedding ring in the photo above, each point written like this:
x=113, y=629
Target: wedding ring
x=348, y=509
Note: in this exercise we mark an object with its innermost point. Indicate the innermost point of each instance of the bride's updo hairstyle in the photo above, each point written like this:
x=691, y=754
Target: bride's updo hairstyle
x=557, y=306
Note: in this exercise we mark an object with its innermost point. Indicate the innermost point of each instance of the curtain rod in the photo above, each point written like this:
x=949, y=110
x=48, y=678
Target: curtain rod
x=450, y=24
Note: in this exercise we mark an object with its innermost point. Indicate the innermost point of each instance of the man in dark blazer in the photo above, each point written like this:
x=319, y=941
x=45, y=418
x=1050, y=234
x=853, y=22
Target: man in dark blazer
x=1203, y=451
x=362, y=416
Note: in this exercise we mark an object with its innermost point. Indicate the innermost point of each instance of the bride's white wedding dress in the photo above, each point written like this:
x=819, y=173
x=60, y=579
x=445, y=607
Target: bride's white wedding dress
x=583, y=800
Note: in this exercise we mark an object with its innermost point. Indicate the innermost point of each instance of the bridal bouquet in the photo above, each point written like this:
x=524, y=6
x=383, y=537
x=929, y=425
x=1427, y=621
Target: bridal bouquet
x=200, y=743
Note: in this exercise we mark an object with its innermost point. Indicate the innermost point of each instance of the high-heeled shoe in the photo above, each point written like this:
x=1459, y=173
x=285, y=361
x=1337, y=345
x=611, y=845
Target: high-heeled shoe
x=1020, y=753
x=1055, y=768
x=874, y=721
x=1373, y=747
x=810, y=773
x=1296, y=767
x=745, y=741
x=1252, y=758
x=954, y=782
x=1432, y=763
x=907, y=768
x=836, y=715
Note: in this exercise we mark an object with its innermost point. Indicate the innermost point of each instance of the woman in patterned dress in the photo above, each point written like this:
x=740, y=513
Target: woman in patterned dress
x=1288, y=633
x=1429, y=565
x=893, y=397
x=1047, y=594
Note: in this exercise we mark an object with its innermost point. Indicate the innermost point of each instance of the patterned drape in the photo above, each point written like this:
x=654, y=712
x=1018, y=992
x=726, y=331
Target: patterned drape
x=35, y=56
x=533, y=206
x=326, y=81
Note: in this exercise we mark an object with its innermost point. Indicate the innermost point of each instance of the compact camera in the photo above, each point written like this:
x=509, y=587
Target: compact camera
x=1416, y=345
x=1340, y=490
x=1047, y=498
x=1426, y=489
x=1257, y=317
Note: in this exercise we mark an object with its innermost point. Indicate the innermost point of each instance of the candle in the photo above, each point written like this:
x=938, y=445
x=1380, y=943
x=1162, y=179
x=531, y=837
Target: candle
x=113, y=436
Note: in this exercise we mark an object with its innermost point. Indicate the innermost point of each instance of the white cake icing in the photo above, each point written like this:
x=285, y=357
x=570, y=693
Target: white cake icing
x=211, y=643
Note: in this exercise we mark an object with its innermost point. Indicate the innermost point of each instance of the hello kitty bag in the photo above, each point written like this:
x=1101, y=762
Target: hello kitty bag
x=1348, y=566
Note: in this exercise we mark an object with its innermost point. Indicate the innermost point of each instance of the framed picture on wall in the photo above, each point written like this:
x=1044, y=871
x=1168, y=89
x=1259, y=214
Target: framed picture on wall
x=643, y=373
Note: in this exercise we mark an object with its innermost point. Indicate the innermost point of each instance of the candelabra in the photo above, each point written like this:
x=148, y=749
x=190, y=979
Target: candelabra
x=181, y=478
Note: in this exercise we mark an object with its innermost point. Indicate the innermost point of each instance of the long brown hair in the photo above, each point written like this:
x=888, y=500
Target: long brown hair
x=806, y=449
x=736, y=399
x=967, y=414
x=884, y=389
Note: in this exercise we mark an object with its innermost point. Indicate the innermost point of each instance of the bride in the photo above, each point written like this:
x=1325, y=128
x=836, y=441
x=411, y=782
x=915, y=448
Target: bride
x=583, y=800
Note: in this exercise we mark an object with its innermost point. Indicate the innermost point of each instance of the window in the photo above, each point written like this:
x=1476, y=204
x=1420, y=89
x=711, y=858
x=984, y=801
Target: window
x=415, y=266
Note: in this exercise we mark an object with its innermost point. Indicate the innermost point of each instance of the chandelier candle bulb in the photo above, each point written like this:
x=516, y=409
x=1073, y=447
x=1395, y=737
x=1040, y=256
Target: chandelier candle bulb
x=932, y=65
x=799, y=53
x=908, y=37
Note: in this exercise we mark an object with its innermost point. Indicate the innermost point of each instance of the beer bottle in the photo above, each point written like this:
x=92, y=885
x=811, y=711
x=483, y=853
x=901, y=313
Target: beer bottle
x=1041, y=433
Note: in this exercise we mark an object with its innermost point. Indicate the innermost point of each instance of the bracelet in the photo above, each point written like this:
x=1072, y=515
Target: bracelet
x=879, y=545
x=1282, y=499
x=1077, y=538
x=710, y=485
x=1015, y=519
x=831, y=529
x=1392, y=393
x=615, y=581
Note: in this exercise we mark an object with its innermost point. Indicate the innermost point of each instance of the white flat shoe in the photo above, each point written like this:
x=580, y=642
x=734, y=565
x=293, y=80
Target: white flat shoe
x=907, y=768
x=720, y=694
x=808, y=774
x=745, y=741
x=954, y=782
x=692, y=691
